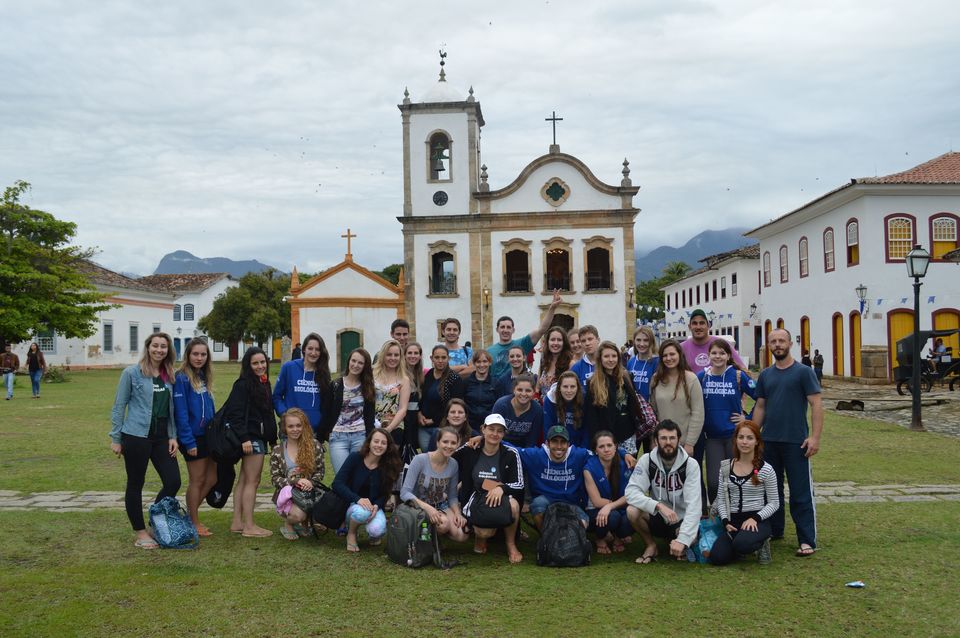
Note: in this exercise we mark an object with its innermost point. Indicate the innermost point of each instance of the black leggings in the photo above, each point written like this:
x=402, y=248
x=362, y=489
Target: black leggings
x=137, y=453
x=740, y=543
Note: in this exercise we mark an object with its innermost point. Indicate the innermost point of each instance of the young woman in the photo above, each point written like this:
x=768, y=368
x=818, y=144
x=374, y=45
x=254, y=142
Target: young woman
x=644, y=362
x=563, y=405
x=675, y=394
x=144, y=428
x=479, y=389
x=365, y=480
x=440, y=385
x=193, y=408
x=523, y=417
x=349, y=415
x=748, y=498
x=37, y=367
x=723, y=385
x=455, y=417
x=555, y=360
x=393, y=389
x=491, y=472
x=576, y=348
x=296, y=462
x=413, y=362
x=518, y=366
x=305, y=383
x=611, y=402
x=605, y=479
x=431, y=483
x=249, y=409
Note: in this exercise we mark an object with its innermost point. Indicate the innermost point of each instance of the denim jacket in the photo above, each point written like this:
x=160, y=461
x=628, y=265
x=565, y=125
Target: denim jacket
x=133, y=407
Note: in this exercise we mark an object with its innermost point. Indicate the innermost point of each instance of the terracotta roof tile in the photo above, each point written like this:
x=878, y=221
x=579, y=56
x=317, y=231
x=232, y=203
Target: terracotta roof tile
x=940, y=170
x=100, y=275
x=186, y=282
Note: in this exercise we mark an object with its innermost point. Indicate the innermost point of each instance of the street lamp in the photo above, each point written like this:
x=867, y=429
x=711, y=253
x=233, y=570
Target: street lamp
x=917, y=261
x=862, y=296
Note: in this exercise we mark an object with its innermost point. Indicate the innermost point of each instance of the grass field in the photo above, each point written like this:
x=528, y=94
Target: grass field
x=79, y=574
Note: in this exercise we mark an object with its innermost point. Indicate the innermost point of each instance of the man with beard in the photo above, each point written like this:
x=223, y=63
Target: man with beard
x=663, y=495
x=696, y=349
x=783, y=392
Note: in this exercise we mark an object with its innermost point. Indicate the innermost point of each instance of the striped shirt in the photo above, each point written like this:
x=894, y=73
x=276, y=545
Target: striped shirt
x=744, y=496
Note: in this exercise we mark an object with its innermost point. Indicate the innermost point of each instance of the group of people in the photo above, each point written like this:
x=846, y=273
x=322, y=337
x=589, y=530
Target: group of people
x=10, y=363
x=622, y=441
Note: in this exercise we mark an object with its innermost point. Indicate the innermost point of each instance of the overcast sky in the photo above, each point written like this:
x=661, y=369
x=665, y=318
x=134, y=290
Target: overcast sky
x=262, y=130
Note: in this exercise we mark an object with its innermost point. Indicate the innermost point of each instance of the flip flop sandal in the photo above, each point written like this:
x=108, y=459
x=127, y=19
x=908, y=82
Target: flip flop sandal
x=289, y=534
x=203, y=530
x=804, y=552
x=144, y=543
x=353, y=548
x=646, y=560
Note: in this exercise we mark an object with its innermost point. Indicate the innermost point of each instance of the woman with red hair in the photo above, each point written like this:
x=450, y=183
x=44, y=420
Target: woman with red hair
x=746, y=499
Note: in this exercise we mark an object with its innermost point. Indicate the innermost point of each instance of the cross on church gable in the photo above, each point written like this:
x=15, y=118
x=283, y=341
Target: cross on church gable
x=554, y=119
x=348, y=237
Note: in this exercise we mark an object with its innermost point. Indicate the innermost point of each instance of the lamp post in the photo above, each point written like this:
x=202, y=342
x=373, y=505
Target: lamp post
x=917, y=261
x=862, y=296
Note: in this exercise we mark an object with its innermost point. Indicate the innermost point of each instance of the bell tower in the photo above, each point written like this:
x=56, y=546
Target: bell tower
x=441, y=150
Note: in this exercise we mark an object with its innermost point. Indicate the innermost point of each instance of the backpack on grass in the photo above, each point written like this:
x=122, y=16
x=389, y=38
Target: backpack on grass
x=171, y=525
x=410, y=536
x=563, y=541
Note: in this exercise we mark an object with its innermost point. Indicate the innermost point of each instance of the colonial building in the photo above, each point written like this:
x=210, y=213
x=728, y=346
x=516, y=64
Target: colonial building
x=833, y=272
x=727, y=289
x=475, y=253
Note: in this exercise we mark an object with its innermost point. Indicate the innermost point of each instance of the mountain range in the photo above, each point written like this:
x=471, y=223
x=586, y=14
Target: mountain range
x=709, y=242
x=182, y=262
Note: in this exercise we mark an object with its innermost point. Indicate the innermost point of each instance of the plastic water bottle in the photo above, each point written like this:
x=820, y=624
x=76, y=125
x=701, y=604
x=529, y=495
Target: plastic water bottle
x=424, y=531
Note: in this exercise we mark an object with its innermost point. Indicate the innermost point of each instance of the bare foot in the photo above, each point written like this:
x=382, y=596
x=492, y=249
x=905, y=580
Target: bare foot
x=514, y=554
x=602, y=547
x=618, y=546
x=256, y=532
x=480, y=546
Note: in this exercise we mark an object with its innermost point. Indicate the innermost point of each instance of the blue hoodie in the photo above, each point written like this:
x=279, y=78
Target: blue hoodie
x=192, y=409
x=584, y=370
x=641, y=371
x=523, y=430
x=721, y=398
x=559, y=482
x=578, y=436
x=595, y=467
x=296, y=388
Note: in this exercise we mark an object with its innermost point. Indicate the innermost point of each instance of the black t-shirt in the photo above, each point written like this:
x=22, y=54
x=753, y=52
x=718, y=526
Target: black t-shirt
x=486, y=467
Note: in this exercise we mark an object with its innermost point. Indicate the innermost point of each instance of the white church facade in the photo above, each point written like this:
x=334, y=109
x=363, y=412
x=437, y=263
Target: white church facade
x=477, y=253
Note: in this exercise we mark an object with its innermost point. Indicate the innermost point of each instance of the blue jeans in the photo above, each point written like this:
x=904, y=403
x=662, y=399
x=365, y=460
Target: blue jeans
x=342, y=444
x=427, y=438
x=8, y=378
x=788, y=458
x=35, y=381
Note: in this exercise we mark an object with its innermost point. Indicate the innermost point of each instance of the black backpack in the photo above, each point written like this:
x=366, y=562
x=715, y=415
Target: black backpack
x=223, y=442
x=412, y=540
x=563, y=541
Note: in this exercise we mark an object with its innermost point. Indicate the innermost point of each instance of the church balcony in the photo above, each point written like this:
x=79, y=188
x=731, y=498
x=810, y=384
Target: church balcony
x=599, y=280
x=556, y=282
x=517, y=282
x=445, y=285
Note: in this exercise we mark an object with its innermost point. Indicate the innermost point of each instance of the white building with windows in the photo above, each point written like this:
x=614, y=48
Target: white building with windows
x=814, y=259
x=477, y=253
x=727, y=289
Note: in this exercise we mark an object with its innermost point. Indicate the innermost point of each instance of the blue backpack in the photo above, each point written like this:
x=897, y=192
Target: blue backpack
x=171, y=525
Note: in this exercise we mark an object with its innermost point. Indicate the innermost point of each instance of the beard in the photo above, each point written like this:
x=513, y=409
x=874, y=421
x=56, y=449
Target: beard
x=780, y=355
x=668, y=456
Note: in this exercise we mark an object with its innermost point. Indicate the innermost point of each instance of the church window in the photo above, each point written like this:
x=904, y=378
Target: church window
x=828, y=259
x=516, y=266
x=599, y=262
x=804, y=258
x=557, y=268
x=900, y=235
x=723, y=287
x=698, y=295
x=188, y=312
x=853, y=242
x=176, y=312
x=784, y=265
x=555, y=191
x=733, y=285
x=766, y=269
x=443, y=269
x=108, y=336
x=943, y=234
x=439, y=154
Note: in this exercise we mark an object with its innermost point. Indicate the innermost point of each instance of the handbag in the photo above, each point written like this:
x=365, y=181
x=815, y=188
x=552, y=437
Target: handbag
x=223, y=442
x=305, y=499
x=172, y=527
x=487, y=517
x=330, y=509
x=644, y=419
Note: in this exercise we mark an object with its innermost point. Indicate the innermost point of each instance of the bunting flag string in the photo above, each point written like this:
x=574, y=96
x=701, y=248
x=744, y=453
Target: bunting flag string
x=932, y=299
x=903, y=300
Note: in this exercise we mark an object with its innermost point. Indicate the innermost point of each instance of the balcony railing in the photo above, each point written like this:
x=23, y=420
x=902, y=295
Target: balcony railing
x=557, y=282
x=599, y=280
x=516, y=282
x=446, y=284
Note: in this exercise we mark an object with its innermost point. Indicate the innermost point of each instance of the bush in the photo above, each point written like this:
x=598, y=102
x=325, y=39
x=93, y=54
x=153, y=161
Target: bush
x=56, y=374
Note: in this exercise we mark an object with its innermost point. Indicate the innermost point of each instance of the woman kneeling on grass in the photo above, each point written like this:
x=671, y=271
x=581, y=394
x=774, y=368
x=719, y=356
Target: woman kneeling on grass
x=605, y=477
x=490, y=473
x=365, y=480
x=298, y=463
x=746, y=499
x=144, y=428
x=431, y=483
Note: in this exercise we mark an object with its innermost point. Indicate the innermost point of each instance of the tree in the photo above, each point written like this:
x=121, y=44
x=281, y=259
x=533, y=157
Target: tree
x=254, y=310
x=391, y=273
x=649, y=294
x=42, y=285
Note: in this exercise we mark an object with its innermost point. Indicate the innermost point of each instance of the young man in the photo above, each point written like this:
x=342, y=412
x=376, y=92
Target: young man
x=555, y=474
x=400, y=331
x=663, y=495
x=784, y=390
x=589, y=342
x=459, y=355
x=9, y=364
x=505, y=330
x=696, y=349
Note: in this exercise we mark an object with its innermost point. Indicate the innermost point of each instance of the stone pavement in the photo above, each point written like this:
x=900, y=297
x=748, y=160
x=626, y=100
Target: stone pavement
x=940, y=408
x=833, y=492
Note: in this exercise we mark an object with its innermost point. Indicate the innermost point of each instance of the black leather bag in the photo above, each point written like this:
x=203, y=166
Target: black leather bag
x=484, y=516
x=223, y=442
x=330, y=510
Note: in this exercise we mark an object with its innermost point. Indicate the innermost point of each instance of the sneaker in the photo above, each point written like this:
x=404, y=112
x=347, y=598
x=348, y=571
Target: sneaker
x=764, y=556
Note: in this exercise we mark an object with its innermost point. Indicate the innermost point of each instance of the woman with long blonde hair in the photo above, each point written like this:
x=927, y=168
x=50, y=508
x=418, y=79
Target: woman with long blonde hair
x=297, y=462
x=392, y=385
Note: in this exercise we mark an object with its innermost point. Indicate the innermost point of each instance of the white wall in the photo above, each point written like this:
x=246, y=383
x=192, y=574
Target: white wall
x=430, y=309
x=582, y=196
x=373, y=324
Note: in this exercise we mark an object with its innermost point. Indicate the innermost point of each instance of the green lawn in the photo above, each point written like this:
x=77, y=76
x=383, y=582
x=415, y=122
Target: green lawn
x=79, y=574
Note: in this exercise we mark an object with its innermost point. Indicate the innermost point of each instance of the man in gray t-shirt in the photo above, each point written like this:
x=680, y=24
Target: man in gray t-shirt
x=784, y=390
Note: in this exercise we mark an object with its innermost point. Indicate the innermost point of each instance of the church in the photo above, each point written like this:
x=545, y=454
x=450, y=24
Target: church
x=477, y=253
